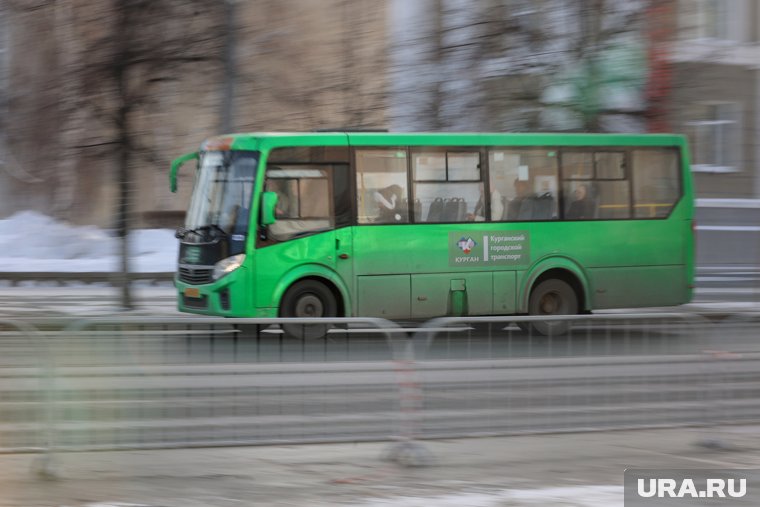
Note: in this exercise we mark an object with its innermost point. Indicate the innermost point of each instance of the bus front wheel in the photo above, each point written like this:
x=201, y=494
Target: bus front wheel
x=552, y=297
x=308, y=299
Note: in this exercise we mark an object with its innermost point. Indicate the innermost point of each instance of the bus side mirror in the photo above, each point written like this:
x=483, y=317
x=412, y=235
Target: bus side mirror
x=176, y=164
x=268, y=207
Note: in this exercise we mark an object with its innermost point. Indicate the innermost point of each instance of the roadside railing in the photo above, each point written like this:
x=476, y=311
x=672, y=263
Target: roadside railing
x=146, y=383
x=606, y=372
x=708, y=275
x=66, y=277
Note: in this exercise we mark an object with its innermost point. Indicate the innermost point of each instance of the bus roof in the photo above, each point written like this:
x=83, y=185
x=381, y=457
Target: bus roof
x=268, y=140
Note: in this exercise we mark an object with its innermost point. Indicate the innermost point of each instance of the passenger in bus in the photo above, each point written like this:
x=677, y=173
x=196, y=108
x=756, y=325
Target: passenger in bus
x=497, y=207
x=516, y=204
x=388, y=200
x=235, y=220
x=280, y=187
x=582, y=207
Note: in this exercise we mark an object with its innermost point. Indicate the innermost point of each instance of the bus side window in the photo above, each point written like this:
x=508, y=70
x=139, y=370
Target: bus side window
x=596, y=184
x=525, y=180
x=656, y=181
x=447, y=184
x=303, y=200
x=381, y=186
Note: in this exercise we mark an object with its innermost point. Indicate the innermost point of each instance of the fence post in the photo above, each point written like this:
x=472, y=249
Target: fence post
x=42, y=466
x=720, y=350
x=407, y=450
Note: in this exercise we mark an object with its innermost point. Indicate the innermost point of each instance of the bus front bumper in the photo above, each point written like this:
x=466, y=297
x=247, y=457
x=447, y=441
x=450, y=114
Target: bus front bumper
x=225, y=297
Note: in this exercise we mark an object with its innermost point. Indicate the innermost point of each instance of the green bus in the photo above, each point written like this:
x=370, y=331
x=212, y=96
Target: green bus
x=420, y=225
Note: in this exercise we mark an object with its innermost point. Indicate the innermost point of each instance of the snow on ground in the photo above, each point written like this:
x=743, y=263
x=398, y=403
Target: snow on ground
x=30, y=241
x=575, y=496
x=571, y=496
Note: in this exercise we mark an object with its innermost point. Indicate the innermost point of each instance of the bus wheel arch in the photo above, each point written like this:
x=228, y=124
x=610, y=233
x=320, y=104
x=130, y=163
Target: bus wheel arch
x=556, y=291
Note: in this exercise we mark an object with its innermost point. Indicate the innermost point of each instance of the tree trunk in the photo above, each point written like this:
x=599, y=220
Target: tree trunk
x=123, y=29
x=228, y=98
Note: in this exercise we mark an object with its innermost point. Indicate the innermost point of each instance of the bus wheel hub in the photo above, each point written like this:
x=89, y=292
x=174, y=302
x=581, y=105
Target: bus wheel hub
x=309, y=306
x=549, y=304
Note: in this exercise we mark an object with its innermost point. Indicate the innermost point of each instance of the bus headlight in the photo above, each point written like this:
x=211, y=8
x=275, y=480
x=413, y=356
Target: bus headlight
x=227, y=265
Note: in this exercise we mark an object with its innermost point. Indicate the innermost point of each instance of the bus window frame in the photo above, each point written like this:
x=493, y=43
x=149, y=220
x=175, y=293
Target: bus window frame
x=630, y=172
x=629, y=176
x=525, y=147
x=679, y=153
x=446, y=149
x=264, y=238
x=593, y=150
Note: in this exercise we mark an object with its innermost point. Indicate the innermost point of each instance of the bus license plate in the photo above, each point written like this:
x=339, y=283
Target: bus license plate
x=192, y=292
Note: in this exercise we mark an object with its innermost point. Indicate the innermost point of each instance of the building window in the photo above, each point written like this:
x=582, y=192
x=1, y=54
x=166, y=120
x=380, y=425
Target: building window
x=709, y=19
x=715, y=137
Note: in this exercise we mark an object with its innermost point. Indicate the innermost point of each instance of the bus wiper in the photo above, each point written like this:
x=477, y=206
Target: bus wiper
x=202, y=231
x=213, y=227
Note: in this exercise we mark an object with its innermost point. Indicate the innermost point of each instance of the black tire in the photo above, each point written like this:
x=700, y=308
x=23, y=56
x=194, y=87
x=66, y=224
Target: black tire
x=552, y=297
x=308, y=299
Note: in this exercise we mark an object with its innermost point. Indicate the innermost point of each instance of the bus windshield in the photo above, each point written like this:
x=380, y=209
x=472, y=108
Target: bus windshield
x=222, y=195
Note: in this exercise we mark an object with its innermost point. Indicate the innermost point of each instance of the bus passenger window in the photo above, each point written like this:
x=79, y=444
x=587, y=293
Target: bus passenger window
x=581, y=198
x=447, y=184
x=614, y=199
x=381, y=188
x=656, y=182
x=595, y=185
x=525, y=180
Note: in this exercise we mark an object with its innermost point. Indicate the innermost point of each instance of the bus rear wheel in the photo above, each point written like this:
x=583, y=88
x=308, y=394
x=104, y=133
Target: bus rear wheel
x=552, y=297
x=308, y=299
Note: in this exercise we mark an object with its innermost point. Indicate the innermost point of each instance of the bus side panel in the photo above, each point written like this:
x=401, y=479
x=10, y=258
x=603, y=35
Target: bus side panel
x=279, y=265
x=434, y=295
x=504, y=292
x=386, y=296
x=632, y=287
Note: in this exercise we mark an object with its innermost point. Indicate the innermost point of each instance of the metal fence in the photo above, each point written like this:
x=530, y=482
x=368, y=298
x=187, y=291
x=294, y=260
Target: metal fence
x=606, y=372
x=181, y=382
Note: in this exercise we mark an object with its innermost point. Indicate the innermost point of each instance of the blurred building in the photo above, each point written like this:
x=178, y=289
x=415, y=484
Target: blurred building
x=715, y=96
x=192, y=69
x=195, y=69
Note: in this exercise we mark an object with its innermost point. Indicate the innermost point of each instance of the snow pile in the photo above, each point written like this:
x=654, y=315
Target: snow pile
x=30, y=241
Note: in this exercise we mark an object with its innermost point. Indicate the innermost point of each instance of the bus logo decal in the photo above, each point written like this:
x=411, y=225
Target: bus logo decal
x=497, y=248
x=466, y=244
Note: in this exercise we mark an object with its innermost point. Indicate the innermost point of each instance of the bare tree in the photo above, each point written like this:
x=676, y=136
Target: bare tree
x=139, y=44
x=514, y=64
